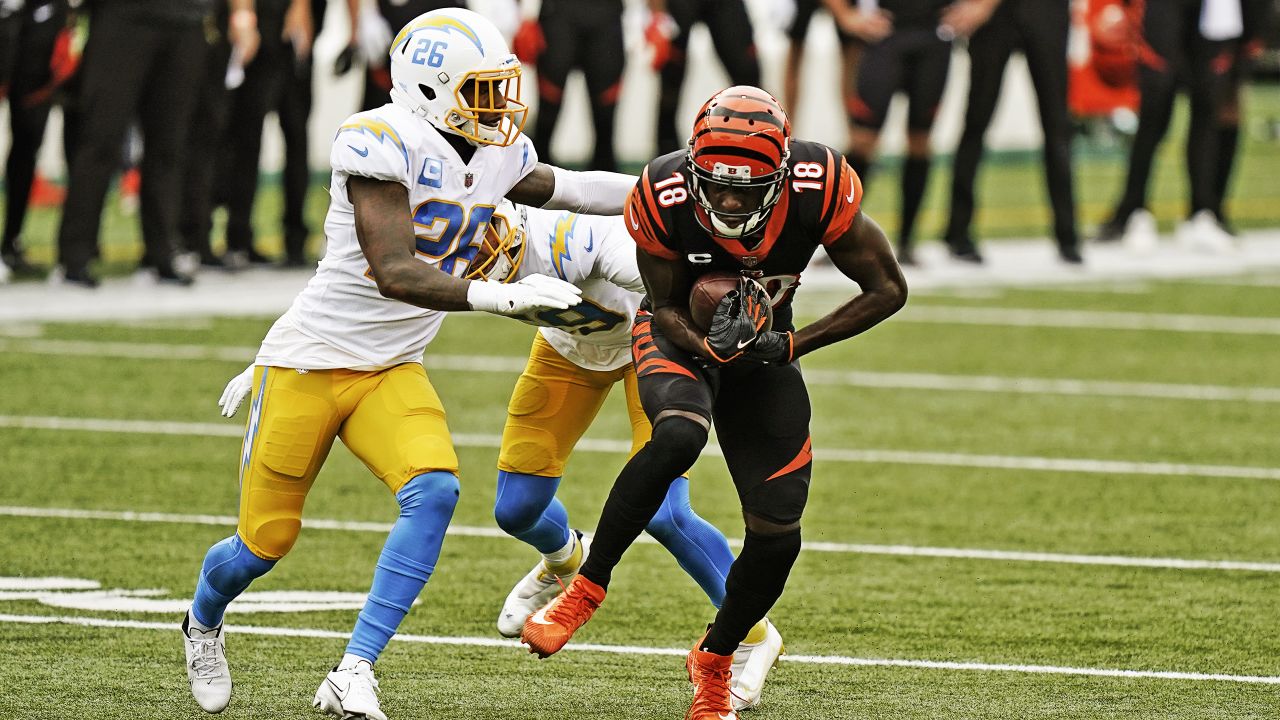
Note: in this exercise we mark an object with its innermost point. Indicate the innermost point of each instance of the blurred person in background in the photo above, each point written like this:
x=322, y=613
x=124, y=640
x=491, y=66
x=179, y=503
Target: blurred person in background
x=1038, y=29
x=1187, y=44
x=139, y=62
x=668, y=30
x=581, y=34
x=851, y=49
x=231, y=30
x=376, y=33
x=1257, y=16
x=905, y=52
x=38, y=58
x=285, y=33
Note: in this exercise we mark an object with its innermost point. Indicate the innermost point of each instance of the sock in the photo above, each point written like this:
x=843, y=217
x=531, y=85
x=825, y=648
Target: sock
x=408, y=558
x=567, y=559
x=915, y=176
x=1228, y=141
x=228, y=569
x=698, y=546
x=757, y=634
x=861, y=164
x=639, y=491
x=349, y=661
x=755, y=583
x=527, y=509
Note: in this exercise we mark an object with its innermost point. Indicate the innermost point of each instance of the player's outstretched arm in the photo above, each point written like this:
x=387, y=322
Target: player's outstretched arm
x=864, y=256
x=595, y=192
x=386, y=237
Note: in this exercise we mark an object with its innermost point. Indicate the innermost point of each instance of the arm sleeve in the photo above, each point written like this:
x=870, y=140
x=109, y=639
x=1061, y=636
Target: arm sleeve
x=596, y=192
x=616, y=257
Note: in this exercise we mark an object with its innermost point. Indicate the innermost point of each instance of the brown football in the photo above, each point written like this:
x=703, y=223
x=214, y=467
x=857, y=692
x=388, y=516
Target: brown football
x=706, y=294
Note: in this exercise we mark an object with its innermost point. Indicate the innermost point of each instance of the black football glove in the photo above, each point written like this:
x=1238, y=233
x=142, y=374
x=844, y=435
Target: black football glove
x=733, y=328
x=772, y=348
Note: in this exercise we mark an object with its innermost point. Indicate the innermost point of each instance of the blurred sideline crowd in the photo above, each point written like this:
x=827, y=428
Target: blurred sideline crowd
x=185, y=86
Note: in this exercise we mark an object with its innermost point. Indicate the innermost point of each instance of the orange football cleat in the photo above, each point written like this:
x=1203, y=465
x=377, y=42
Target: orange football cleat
x=709, y=674
x=547, y=630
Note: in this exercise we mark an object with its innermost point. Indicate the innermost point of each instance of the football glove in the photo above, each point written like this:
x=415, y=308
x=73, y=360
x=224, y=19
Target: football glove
x=535, y=292
x=529, y=42
x=733, y=327
x=659, y=33
x=235, y=392
x=772, y=348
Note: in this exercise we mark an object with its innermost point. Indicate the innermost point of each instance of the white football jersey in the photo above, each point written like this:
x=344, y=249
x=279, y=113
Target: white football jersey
x=340, y=320
x=595, y=253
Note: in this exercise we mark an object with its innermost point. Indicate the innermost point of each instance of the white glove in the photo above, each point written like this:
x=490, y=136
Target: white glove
x=374, y=36
x=535, y=292
x=235, y=392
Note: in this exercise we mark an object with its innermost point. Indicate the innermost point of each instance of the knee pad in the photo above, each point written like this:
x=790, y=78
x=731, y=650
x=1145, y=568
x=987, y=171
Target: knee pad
x=521, y=500
x=429, y=492
x=778, y=502
x=681, y=440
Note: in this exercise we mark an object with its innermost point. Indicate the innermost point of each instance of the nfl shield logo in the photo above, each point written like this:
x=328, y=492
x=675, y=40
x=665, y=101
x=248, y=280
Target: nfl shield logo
x=468, y=179
x=749, y=260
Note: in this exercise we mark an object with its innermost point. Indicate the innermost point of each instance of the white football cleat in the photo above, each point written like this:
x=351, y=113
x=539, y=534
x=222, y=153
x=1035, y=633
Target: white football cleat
x=207, y=669
x=1140, y=234
x=539, y=587
x=1202, y=233
x=751, y=664
x=350, y=692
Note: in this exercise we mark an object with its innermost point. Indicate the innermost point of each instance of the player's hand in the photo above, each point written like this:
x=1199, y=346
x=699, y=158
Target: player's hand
x=963, y=17
x=235, y=392
x=536, y=292
x=529, y=42
x=659, y=33
x=870, y=27
x=772, y=348
x=733, y=327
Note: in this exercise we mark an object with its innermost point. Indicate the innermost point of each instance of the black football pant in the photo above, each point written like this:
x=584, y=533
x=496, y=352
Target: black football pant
x=294, y=110
x=1037, y=28
x=730, y=29
x=583, y=34
x=30, y=98
x=1182, y=57
x=208, y=133
x=761, y=415
x=131, y=70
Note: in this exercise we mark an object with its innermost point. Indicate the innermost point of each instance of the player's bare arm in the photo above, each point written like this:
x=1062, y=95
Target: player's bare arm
x=595, y=192
x=385, y=232
x=863, y=254
x=667, y=283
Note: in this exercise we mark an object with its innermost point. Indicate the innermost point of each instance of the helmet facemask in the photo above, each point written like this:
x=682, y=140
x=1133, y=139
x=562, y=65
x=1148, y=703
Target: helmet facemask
x=489, y=93
x=502, y=249
x=750, y=220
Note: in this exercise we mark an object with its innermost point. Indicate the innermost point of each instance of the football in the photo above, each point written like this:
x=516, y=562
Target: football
x=706, y=294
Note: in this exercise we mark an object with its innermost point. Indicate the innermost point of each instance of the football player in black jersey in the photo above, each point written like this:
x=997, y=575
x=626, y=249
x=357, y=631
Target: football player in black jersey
x=747, y=198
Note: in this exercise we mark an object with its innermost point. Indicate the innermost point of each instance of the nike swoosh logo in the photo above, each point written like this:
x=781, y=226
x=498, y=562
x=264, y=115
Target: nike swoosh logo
x=591, y=242
x=634, y=224
x=540, y=618
x=744, y=343
x=341, y=691
x=362, y=152
x=852, y=187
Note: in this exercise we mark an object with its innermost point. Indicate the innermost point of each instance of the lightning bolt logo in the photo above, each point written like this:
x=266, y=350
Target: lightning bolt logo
x=560, y=242
x=444, y=24
x=381, y=130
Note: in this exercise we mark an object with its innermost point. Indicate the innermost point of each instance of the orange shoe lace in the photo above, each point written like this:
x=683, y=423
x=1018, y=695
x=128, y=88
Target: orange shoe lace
x=574, y=606
x=710, y=691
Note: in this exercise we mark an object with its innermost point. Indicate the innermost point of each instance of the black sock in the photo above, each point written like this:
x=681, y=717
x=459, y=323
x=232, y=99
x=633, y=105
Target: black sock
x=1228, y=141
x=915, y=176
x=754, y=584
x=639, y=491
x=862, y=165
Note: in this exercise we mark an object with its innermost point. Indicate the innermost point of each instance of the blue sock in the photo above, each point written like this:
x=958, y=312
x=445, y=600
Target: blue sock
x=697, y=545
x=527, y=509
x=228, y=569
x=407, y=561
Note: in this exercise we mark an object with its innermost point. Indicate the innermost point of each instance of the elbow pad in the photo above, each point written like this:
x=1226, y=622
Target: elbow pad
x=596, y=192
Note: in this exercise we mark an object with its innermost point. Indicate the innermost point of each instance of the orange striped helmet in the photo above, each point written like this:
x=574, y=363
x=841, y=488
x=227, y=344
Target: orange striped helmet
x=740, y=145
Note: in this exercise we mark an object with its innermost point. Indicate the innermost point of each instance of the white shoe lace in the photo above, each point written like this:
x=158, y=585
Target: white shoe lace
x=204, y=660
x=364, y=688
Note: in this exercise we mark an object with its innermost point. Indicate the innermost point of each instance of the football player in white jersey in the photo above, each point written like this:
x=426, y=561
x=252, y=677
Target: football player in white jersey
x=414, y=186
x=578, y=355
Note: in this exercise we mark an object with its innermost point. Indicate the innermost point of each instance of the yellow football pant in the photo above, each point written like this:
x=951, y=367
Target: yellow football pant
x=553, y=404
x=391, y=419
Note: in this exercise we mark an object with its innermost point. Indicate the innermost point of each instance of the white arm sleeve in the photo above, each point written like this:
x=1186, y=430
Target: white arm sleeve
x=616, y=258
x=596, y=192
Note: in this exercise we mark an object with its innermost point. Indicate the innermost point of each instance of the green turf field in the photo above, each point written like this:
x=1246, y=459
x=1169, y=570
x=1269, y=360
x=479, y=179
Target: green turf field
x=975, y=551
x=1012, y=197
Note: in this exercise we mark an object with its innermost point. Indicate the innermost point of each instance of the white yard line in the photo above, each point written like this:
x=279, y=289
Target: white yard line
x=839, y=660
x=824, y=547
x=892, y=457
x=511, y=364
x=1091, y=320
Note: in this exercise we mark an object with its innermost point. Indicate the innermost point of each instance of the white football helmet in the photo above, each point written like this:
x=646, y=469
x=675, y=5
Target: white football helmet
x=504, y=245
x=440, y=52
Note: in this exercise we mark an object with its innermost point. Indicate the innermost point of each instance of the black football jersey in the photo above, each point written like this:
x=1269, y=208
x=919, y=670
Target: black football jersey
x=822, y=196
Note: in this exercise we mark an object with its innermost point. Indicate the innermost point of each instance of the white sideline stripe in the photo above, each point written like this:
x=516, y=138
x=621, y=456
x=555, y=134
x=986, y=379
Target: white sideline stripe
x=887, y=380
x=676, y=652
x=894, y=457
x=828, y=547
x=1091, y=320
